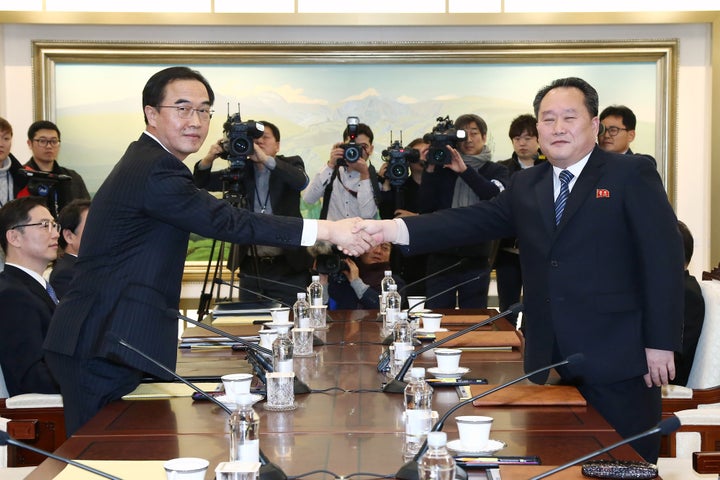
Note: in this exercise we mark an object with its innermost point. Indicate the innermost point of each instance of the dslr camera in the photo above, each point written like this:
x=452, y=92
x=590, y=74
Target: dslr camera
x=442, y=135
x=352, y=151
x=238, y=140
x=399, y=160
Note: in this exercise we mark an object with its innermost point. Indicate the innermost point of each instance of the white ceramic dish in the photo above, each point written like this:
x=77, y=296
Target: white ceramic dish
x=435, y=372
x=490, y=448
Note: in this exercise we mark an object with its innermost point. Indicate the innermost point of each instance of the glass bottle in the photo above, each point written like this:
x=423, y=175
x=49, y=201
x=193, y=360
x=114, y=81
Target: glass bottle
x=385, y=288
x=282, y=349
x=402, y=342
x=418, y=411
x=392, y=308
x=244, y=431
x=301, y=311
x=315, y=292
x=436, y=463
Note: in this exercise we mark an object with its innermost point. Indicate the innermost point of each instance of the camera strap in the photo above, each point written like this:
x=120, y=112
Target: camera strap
x=327, y=195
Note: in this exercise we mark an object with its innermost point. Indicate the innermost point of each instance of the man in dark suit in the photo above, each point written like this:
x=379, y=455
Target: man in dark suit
x=606, y=280
x=72, y=219
x=128, y=273
x=29, y=238
x=270, y=184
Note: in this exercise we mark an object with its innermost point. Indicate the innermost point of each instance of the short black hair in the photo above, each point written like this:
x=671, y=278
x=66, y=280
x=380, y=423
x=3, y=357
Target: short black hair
x=69, y=217
x=592, y=101
x=523, y=123
x=154, y=92
x=16, y=212
x=628, y=117
x=688, y=242
x=275, y=130
x=362, y=129
x=5, y=126
x=42, y=125
x=464, y=120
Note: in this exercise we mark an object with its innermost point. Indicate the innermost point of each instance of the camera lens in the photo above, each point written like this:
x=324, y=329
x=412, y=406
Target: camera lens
x=241, y=146
x=352, y=153
x=397, y=171
x=437, y=156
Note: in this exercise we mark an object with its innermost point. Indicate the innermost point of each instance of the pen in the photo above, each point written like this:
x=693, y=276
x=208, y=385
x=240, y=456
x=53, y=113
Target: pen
x=491, y=461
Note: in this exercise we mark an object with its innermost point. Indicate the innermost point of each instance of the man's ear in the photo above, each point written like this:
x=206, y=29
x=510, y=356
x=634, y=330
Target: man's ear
x=631, y=135
x=13, y=238
x=151, y=114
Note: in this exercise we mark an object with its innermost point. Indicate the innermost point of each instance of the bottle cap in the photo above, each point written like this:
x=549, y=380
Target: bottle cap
x=316, y=278
x=300, y=295
x=437, y=439
x=417, y=372
x=388, y=273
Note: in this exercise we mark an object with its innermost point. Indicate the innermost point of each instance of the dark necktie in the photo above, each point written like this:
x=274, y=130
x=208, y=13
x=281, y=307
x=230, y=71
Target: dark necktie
x=51, y=292
x=561, y=201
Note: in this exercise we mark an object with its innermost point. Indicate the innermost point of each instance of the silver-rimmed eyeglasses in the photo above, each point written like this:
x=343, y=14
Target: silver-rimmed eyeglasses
x=49, y=225
x=185, y=111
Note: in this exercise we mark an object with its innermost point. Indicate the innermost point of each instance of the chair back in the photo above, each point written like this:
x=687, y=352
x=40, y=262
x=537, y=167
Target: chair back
x=3, y=387
x=705, y=372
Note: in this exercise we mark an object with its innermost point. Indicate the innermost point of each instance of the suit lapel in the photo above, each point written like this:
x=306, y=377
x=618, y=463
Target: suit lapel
x=583, y=186
x=544, y=198
x=31, y=284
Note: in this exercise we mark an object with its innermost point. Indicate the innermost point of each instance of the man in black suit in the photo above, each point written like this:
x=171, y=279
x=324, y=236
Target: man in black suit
x=29, y=238
x=72, y=219
x=270, y=184
x=129, y=271
x=601, y=256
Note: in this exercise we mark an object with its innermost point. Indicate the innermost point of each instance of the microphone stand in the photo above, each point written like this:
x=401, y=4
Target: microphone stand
x=409, y=471
x=397, y=385
x=443, y=270
x=299, y=387
x=268, y=470
x=220, y=281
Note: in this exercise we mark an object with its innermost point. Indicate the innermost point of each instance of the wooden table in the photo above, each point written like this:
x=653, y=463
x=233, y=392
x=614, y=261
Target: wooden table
x=344, y=432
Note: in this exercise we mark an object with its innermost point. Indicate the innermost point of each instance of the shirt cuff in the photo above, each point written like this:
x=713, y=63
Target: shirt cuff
x=309, y=232
x=359, y=286
x=402, y=236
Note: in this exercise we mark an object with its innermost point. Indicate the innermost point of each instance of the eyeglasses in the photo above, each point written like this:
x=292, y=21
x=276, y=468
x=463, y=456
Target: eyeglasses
x=44, y=142
x=185, y=112
x=49, y=225
x=613, y=131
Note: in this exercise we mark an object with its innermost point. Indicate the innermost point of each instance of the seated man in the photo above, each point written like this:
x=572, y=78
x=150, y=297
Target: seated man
x=357, y=285
x=72, y=219
x=29, y=237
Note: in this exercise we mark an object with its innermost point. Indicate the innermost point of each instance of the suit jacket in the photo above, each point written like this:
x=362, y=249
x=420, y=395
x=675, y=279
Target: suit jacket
x=26, y=312
x=62, y=273
x=607, y=282
x=287, y=180
x=128, y=273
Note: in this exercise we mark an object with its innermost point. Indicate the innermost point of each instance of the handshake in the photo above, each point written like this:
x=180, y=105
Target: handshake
x=355, y=236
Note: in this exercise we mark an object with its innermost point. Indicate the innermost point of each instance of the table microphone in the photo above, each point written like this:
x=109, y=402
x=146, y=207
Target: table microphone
x=268, y=470
x=389, y=339
x=665, y=427
x=299, y=387
x=220, y=281
x=442, y=270
x=409, y=471
x=397, y=385
x=5, y=439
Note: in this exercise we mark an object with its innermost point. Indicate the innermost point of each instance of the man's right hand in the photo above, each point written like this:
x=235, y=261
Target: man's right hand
x=216, y=149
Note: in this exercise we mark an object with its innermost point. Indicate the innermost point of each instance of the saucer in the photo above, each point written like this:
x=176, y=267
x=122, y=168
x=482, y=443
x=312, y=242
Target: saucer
x=426, y=331
x=435, y=372
x=490, y=447
x=225, y=401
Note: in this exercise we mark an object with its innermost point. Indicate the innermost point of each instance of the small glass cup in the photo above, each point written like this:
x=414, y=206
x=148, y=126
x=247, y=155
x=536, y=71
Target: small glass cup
x=237, y=471
x=280, y=392
x=186, y=468
x=318, y=317
x=302, y=342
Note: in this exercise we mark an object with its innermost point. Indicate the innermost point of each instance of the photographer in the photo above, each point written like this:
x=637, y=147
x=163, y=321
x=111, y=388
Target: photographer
x=469, y=178
x=347, y=186
x=357, y=283
x=272, y=184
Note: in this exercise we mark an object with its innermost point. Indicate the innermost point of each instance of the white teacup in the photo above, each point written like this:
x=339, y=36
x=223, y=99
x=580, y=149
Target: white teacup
x=267, y=337
x=186, y=468
x=448, y=359
x=431, y=321
x=236, y=384
x=280, y=314
x=474, y=431
x=416, y=303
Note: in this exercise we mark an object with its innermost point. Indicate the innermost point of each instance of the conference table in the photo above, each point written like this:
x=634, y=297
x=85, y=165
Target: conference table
x=346, y=424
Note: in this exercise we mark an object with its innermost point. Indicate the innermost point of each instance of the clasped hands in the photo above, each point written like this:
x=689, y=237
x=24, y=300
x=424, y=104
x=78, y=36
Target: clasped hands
x=355, y=236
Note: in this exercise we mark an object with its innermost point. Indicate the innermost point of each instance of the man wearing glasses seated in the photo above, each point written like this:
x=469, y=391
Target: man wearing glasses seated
x=67, y=185
x=29, y=237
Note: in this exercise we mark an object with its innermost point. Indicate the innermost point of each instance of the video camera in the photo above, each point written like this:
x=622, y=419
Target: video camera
x=399, y=160
x=42, y=184
x=352, y=151
x=442, y=135
x=238, y=140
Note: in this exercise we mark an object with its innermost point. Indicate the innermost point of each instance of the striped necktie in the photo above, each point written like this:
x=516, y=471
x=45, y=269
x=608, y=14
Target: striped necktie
x=51, y=292
x=561, y=201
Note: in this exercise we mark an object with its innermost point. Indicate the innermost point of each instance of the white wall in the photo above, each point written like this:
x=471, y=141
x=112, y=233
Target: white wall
x=693, y=119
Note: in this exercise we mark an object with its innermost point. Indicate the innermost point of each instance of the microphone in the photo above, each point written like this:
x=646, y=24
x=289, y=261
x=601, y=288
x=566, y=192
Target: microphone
x=397, y=385
x=299, y=387
x=665, y=427
x=268, y=470
x=443, y=270
x=6, y=439
x=220, y=281
x=409, y=471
